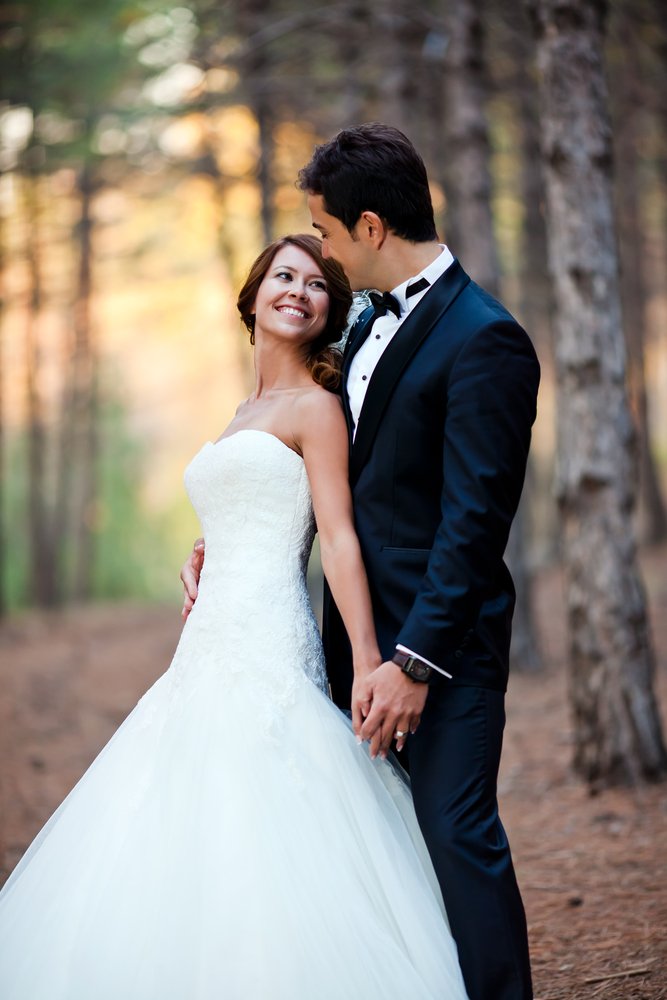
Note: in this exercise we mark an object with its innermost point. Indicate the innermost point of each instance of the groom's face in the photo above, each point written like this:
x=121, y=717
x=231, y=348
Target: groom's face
x=349, y=249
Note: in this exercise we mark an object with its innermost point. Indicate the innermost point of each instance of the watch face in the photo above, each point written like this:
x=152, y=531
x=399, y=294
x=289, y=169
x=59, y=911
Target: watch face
x=419, y=670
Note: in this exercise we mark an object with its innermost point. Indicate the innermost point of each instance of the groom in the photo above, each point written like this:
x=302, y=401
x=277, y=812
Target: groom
x=440, y=387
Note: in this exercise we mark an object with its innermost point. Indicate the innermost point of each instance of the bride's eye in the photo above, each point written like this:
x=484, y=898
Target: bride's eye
x=283, y=274
x=321, y=285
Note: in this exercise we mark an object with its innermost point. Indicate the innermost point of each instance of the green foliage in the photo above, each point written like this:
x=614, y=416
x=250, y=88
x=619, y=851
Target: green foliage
x=15, y=513
x=125, y=537
x=136, y=552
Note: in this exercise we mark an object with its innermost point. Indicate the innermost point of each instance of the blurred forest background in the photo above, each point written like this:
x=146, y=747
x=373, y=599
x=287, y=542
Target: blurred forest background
x=148, y=151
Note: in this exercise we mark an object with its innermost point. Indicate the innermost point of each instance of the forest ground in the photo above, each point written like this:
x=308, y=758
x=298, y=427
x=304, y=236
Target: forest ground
x=593, y=869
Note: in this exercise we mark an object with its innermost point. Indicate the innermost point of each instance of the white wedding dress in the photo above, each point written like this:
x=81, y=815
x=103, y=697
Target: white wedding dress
x=232, y=841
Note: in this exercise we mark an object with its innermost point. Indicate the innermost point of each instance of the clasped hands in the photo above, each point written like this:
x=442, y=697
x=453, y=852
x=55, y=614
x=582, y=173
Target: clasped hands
x=385, y=701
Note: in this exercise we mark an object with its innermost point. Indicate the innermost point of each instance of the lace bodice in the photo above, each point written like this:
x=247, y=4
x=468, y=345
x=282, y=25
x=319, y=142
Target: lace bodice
x=253, y=615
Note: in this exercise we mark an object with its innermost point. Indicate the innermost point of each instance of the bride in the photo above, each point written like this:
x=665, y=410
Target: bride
x=233, y=840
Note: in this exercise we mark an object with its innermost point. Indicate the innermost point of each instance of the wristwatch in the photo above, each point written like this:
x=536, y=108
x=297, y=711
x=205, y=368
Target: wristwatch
x=413, y=667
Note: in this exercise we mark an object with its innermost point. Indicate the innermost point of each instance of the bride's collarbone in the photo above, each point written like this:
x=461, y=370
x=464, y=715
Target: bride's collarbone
x=271, y=414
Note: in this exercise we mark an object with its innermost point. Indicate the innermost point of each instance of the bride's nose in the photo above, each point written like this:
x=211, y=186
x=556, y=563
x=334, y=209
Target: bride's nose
x=299, y=293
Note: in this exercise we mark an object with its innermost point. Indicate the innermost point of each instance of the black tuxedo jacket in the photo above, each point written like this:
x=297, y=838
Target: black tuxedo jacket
x=436, y=471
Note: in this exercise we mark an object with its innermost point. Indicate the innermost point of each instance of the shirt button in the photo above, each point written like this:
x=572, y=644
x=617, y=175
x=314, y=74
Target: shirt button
x=364, y=377
x=377, y=336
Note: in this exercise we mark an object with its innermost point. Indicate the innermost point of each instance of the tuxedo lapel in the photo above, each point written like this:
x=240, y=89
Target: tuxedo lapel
x=389, y=368
x=358, y=335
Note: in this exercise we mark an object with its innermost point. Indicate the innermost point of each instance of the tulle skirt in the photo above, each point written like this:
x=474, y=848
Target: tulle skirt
x=201, y=859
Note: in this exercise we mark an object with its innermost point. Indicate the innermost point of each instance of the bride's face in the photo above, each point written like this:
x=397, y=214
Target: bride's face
x=292, y=301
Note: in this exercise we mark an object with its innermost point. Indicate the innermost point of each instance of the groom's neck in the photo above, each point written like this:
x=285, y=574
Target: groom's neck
x=400, y=259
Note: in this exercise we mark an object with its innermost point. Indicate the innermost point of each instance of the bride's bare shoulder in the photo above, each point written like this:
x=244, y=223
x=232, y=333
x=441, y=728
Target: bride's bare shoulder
x=314, y=400
x=317, y=414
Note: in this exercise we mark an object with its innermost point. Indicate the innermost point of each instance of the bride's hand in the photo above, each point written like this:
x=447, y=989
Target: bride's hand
x=362, y=691
x=190, y=573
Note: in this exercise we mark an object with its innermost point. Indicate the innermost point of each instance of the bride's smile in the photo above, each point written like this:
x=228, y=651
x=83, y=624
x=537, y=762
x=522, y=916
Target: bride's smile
x=293, y=298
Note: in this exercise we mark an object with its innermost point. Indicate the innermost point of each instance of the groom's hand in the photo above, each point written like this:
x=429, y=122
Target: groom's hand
x=397, y=703
x=190, y=573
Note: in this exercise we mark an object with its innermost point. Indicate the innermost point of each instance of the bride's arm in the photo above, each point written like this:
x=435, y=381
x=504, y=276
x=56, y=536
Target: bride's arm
x=321, y=434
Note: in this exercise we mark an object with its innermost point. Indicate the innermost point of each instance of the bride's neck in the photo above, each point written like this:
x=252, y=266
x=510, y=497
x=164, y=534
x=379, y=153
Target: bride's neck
x=278, y=369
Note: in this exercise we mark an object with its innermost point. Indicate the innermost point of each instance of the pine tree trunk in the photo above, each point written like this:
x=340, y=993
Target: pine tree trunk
x=535, y=292
x=618, y=736
x=535, y=303
x=469, y=218
x=399, y=36
x=252, y=16
x=629, y=106
x=353, y=35
x=3, y=480
x=85, y=406
x=43, y=577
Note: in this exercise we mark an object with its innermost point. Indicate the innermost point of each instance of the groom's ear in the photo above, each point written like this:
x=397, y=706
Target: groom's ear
x=372, y=229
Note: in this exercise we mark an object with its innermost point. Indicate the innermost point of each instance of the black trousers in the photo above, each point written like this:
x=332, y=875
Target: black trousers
x=453, y=761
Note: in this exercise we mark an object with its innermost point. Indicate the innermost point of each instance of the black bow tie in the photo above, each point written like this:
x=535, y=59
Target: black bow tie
x=389, y=303
x=417, y=286
x=385, y=303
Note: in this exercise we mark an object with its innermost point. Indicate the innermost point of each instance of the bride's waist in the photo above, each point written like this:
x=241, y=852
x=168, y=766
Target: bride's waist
x=228, y=598
x=234, y=584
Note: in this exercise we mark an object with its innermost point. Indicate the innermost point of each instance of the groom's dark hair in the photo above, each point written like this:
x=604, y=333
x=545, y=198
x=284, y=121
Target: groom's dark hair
x=373, y=168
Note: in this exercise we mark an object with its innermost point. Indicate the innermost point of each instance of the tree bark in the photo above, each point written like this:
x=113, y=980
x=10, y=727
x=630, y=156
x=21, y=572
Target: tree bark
x=400, y=36
x=353, y=34
x=629, y=106
x=43, y=576
x=85, y=408
x=617, y=729
x=469, y=217
x=3, y=480
x=256, y=70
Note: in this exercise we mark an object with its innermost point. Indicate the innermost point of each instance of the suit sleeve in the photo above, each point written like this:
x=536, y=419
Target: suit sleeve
x=490, y=408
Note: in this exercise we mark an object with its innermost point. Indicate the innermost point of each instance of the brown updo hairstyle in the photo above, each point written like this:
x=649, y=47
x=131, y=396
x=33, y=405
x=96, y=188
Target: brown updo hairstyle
x=324, y=361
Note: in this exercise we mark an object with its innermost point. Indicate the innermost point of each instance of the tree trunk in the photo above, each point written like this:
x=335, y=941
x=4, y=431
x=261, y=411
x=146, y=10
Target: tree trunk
x=469, y=217
x=618, y=735
x=633, y=254
x=353, y=34
x=399, y=35
x=43, y=577
x=85, y=406
x=3, y=480
x=535, y=289
x=535, y=302
x=256, y=71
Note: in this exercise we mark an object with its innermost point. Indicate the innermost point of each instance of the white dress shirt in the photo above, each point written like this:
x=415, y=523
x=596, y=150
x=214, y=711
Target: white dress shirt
x=370, y=352
x=384, y=330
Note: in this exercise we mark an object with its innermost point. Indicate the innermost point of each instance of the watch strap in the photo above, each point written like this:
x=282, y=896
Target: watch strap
x=413, y=667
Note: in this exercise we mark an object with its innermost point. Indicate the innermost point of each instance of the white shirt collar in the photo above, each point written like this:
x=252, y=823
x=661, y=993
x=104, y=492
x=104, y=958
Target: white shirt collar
x=431, y=272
